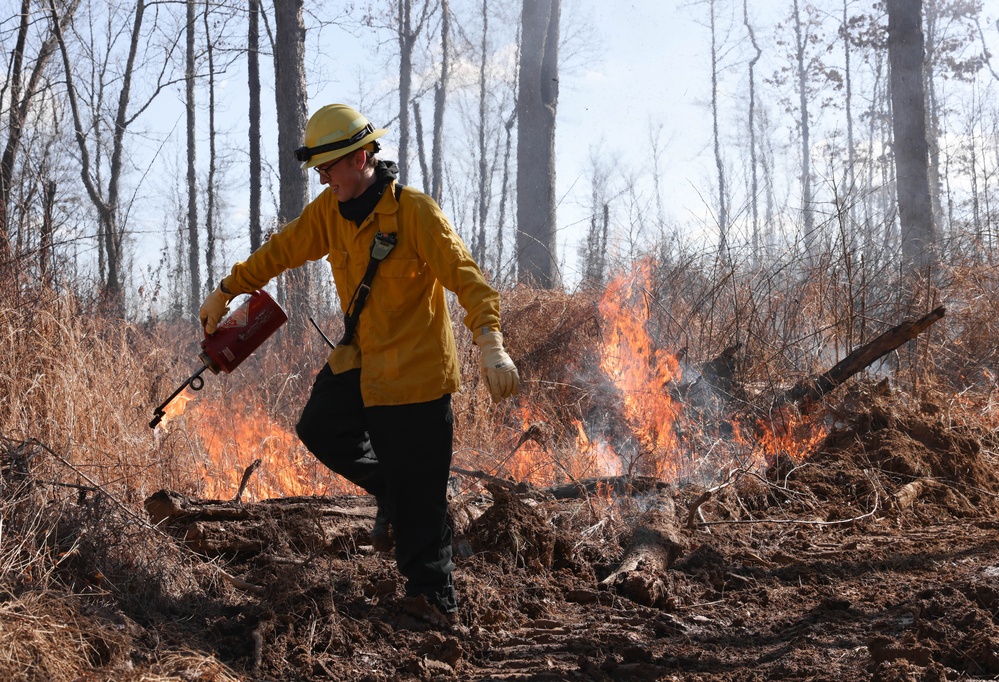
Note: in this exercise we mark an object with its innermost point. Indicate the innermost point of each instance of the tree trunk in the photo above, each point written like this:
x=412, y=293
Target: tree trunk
x=108, y=206
x=217, y=528
x=809, y=390
x=808, y=218
x=19, y=103
x=421, y=151
x=48, y=229
x=193, y=247
x=933, y=114
x=719, y=163
x=406, y=41
x=537, y=102
x=504, y=187
x=292, y=115
x=905, y=55
x=210, y=190
x=253, y=78
x=440, y=100
x=13, y=139
x=754, y=185
x=654, y=546
x=851, y=147
x=479, y=243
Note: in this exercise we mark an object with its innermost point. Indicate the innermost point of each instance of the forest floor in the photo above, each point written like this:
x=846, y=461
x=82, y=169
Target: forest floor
x=876, y=557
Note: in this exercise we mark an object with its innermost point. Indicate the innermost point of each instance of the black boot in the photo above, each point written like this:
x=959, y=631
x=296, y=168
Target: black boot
x=381, y=532
x=443, y=597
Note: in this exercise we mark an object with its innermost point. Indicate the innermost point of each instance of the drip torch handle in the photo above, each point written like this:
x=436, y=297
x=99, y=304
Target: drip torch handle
x=194, y=381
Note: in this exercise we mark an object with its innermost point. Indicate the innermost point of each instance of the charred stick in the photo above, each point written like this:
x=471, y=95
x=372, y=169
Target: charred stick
x=246, y=479
x=811, y=389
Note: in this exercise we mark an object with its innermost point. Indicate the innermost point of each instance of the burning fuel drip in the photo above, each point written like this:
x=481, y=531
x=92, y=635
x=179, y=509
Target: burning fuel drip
x=176, y=405
x=229, y=440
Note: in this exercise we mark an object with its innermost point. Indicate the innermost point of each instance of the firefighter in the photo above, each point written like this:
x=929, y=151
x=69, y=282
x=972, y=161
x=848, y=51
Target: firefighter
x=380, y=409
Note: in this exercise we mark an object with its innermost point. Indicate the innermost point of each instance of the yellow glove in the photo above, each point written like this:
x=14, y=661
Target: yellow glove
x=498, y=370
x=214, y=308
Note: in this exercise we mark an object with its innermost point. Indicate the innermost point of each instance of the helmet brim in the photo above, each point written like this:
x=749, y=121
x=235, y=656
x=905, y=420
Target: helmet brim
x=326, y=157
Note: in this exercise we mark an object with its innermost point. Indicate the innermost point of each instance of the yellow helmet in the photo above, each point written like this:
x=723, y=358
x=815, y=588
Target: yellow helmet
x=334, y=131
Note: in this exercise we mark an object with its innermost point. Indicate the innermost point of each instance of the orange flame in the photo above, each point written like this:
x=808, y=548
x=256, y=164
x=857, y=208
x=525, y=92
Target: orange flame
x=230, y=442
x=606, y=461
x=176, y=407
x=788, y=433
x=792, y=435
x=641, y=373
x=541, y=457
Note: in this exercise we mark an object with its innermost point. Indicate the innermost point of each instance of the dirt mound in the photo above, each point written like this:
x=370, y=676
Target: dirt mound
x=512, y=531
x=883, y=451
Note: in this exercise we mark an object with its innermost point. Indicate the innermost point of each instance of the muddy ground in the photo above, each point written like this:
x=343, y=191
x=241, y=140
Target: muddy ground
x=875, y=558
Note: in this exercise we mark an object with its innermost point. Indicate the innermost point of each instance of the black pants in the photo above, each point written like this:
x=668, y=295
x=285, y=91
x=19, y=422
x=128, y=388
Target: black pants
x=402, y=455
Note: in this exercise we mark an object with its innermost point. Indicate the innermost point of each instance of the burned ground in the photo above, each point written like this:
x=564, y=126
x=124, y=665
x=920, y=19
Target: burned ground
x=874, y=557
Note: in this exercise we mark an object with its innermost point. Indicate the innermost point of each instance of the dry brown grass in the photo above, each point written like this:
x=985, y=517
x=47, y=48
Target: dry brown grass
x=78, y=457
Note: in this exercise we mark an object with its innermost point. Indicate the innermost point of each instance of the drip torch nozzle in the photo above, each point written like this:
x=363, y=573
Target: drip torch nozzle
x=235, y=339
x=194, y=381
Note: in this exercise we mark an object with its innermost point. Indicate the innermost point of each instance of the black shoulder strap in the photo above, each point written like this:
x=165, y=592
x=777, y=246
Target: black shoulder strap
x=381, y=246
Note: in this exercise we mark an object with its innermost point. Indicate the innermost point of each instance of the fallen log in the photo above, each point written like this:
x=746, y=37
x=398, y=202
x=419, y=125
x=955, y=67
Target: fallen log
x=167, y=505
x=618, y=485
x=653, y=547
x=809, y=390
x=227, y=528
x=907, y=495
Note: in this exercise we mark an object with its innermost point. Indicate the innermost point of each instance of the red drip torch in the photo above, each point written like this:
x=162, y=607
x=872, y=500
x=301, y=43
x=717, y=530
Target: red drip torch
x=236, y=338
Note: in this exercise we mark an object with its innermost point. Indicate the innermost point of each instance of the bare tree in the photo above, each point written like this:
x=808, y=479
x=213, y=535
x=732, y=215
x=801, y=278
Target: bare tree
x=905, y=54
x=754, y=185
x=407, y=33
x=800, y=51
x=594, y=250
x=479, y=243
x=440, y=100
x=107, y=200
x=19, y=101
x=211, y=191
x=292, y=115
x=537, y=103
x=48, y=229
x=193, y=247
x=851, y=147
x=253, y=84
x=421, y=151
x=719, y=162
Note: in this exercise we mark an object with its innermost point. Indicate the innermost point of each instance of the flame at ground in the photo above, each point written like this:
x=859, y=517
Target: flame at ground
x=535, y=459
x=789, y=434
x=231, y=441
x=641, y=374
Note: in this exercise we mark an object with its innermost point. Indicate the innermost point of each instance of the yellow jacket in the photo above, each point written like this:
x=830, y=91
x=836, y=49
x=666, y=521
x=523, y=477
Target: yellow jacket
x=404, y=343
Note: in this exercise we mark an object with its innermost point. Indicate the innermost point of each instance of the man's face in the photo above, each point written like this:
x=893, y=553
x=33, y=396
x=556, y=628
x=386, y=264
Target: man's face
x=343, y=175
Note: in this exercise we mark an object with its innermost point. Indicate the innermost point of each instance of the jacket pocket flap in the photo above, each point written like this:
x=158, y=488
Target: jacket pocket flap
x=337, y=259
